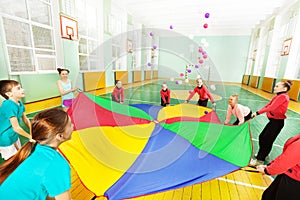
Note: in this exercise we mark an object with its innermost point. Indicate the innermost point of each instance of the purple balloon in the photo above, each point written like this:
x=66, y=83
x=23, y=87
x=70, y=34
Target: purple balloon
x=171, y=27
x=206, y=15
x=204, y=52
x=196, y=66
x=151, y=34
x=154, y=46
x=206, y=112
x=177, y=82
x=189, y=70
x=149, y=64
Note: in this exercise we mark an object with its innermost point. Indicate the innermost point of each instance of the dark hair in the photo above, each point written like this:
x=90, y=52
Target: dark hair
x=287, y=84
x=117, y=81
x=60, y=70
x=6, y=86
x=45, y=126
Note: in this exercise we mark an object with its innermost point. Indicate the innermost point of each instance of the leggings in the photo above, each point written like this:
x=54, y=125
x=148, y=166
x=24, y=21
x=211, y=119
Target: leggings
x=282, y=188
x=268, y=136
x=246, y=118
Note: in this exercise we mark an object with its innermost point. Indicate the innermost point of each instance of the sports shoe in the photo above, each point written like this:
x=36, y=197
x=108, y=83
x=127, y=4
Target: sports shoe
x=255, y=162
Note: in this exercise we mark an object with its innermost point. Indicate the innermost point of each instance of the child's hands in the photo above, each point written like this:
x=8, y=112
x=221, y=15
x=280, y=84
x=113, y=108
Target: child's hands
x=214, y=104
x=253, y=115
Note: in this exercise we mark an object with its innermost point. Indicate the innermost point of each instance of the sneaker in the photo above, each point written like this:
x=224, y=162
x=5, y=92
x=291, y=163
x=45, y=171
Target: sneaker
x=255, y=162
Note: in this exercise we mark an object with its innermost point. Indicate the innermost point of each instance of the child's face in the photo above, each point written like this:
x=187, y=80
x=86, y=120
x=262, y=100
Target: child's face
x=279, y=87
x=232, y=101
x=17, y=92
x=119, y=84
x=199, y=82
x=68, y=130
x=64, y=74
x=164, y=86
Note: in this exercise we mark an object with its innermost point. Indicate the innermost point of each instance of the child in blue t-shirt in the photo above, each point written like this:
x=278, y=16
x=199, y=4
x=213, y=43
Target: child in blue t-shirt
x=11, y=113
x=38, y=171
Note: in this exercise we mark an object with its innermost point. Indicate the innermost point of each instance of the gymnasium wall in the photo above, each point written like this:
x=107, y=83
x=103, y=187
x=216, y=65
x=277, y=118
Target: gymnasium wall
x=228, y=53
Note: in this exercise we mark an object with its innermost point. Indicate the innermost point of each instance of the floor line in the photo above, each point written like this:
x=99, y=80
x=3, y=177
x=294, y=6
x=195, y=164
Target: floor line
x=242, y=183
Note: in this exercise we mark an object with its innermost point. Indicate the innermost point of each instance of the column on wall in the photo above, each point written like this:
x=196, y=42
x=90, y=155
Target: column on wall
x=293, y=63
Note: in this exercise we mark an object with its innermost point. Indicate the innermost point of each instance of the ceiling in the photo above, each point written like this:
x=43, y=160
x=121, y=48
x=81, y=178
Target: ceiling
x=227, y=17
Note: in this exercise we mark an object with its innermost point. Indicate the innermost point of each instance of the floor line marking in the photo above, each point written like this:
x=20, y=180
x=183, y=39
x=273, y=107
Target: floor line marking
x=242, y=183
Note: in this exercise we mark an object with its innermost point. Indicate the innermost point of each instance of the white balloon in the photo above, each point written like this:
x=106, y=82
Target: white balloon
x=179, y=82
x=198, y=76
x=172, y=79
x=203, y=40
x=206, y=44
x=213, y=87
x=186, y=80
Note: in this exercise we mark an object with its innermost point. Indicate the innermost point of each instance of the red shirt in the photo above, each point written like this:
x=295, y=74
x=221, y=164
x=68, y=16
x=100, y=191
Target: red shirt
x=118, y=94
x=165, y=95
x=277, y=107
x=289, y=161
x=202, y=92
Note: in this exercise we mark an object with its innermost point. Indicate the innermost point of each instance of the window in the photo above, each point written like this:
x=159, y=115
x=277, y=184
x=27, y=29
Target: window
x=88, y=14
x=28, y=32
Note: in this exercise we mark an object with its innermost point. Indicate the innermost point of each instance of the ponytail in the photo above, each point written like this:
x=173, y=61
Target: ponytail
x=287, y=84
x=7, y=167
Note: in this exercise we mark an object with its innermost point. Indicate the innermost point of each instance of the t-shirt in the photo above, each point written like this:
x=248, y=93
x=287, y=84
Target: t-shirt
x=45, y=172
x=65, y=87
x=8, y=110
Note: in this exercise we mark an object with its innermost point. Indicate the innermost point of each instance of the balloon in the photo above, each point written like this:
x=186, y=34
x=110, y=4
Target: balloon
x=154, y=46
x=151, y=34
x=201, y=61
x=205, y=25
x=171, y=27
x=204, y=56
x=196, y=66
x=177, y=82
x=213, y=87
x=189, y=70
x=149, y=64
x=206, y=15
x=186, y=80
x=203, y=52
x=200, y=49
x=181, y=74
x=206, y=112
x=171, y=79
x=206, y=44
x=198, y=76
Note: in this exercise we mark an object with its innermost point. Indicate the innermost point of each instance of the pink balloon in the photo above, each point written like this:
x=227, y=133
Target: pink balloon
x=204, y=56
x=201, y=61
x=205, y=25
x=200, y=49
x=181, y=74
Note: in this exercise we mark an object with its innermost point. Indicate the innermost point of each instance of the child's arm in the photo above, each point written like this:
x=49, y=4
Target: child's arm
x=191, y=96
x=26, y=122
x=209, y=95
x=228, y=115
x=16, y=127
x=122, y=95
x=169, y=97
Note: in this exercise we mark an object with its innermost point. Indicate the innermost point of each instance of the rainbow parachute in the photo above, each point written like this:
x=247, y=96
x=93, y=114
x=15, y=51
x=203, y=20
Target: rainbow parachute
x=119, y=152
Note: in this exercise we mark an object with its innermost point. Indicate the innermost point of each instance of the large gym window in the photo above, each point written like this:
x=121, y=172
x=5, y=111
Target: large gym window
x=28, y=31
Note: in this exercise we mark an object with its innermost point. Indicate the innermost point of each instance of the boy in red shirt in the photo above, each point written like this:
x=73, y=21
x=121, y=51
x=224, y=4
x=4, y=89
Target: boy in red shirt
x=165, y=95
x=203, y=93
x=118, y=93
x=275, y=110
